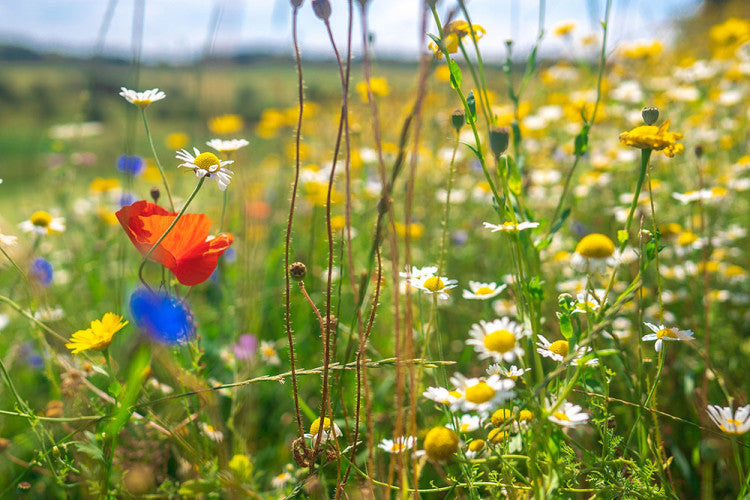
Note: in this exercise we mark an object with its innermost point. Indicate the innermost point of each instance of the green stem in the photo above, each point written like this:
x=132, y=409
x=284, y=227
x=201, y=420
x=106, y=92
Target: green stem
x=171, y=226
x=223, y=211
x=156, y=158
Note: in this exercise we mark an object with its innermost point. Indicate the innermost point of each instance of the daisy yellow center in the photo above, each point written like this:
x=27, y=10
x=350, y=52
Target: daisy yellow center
x=500, y=341
x=595, y=246
x=269, y=351
x=561, y=416
x=41, y=218
x=666, y=332
x=398, y=447
x=315, y=426
x=455, y=394
x=434, y=284
x=210, y=428
x=479, y=393
x=484, y=290
x=208, y=161
x=476, y=445
x=525, y=416
x=686, y=238
x=142, y=103
x=440, y=443
x=559, y=347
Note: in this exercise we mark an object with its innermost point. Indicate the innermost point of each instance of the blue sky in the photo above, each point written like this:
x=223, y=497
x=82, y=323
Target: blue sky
x=176, y=30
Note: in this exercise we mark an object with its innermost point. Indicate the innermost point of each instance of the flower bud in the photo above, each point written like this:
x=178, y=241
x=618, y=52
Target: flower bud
x=499, y=138
x=322, y=9
x=650, y=115
x=458, y=118
x=296, y=3
x=297, y=271
x=698, y=151
x=155, y=193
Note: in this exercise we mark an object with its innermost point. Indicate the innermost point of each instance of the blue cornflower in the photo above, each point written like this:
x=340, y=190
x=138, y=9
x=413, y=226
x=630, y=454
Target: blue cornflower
x=127, y=198
x=41, y=269
x=130, y=165
x=165, y=318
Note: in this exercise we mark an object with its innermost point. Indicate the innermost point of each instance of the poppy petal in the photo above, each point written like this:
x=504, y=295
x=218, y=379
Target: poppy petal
x=198, y=265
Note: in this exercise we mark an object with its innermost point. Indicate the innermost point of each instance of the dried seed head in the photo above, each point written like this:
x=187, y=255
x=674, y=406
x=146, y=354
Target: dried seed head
x=322, y=9
x=297, y=271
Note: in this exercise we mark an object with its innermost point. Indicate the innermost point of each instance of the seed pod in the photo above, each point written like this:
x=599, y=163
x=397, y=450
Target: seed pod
x=650, y=115
x=499, y=139
x=322, y=9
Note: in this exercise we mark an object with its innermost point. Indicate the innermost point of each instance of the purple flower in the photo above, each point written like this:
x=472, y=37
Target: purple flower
x=41, y=269
x=246, y=347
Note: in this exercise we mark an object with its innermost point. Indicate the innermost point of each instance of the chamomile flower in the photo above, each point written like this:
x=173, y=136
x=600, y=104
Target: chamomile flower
x=662, y=333
x=440, y=443
x=431, y=283
x=42, y=223
x=481, y=395
x=268, y=353
x=442, y=395
x=737, y=422
x=210, y=431
x=398, y=445
x=569, y=415
x=475, y=448
x=559, y=350
x=483, y=291
x=7, y=240
x=510, y=227
x=497, y=339
x=468, y=423
x=207, y=165
x=281, y=480
x=142, y=99
x=326, y=432
x=594, y=253
x=590, y=301
x=227, y=146
x=512, y=373
x=418, y=272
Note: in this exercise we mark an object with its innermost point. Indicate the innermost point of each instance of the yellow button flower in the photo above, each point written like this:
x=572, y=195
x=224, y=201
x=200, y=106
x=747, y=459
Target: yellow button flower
x=653, y=137
x=99, y=336
x=453, y=32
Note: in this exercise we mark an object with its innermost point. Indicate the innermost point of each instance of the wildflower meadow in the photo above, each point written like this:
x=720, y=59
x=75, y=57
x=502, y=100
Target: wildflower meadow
x=482, y=272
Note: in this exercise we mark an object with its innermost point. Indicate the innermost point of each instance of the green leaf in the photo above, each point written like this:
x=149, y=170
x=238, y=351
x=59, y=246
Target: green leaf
x=566, y=326
x=472, y=105
x=456, y=77
x=114, y=388
x=434, y=39
x=476, y=152
x=136, y=375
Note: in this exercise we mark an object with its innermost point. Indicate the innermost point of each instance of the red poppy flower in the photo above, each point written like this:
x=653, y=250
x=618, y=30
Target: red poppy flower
x=185, y=251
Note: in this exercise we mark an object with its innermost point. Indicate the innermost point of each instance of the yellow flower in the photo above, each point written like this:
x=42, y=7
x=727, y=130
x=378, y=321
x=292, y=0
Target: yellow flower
x=440, y=443
x=99, y=336
x=177, y=140
x=653, y=137
x=226, y=124
x=727, y=36
x=564, y=28
x=642, y=49
x=453, y=32
x=378, y=86
x=100, y=185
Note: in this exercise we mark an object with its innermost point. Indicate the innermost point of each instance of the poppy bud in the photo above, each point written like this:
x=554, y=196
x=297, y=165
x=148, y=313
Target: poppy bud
x=458, y=118
x=322, y=9
x=698, y=151
x=650, y=115
x=297, y=271
x=499, y=138
x=155, y=193
x=296, y=3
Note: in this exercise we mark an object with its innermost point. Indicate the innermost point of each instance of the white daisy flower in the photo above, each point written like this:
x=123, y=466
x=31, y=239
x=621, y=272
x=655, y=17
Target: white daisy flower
x=569, y=415
x=468, y=423
x=737, y=422
x=510, y=227
x=211, y=432
x=281, y=480
x=326, y=432
x=559, y=350
x=512, y=373
x=43, y=223
x=483, y=291
x=481, y=395
x=497, y=339
x=227, y=146
x=418, y=272
x=594, y=253
x=399, y=445
x=431, y=283
x=142, y=99
x=662, y=333
x=8, y=241
x=207, y=165
x=268, y=353
x=590, y=301
x=442, y=395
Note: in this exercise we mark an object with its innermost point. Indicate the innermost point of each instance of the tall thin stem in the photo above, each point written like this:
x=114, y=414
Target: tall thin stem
x=156, y=158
